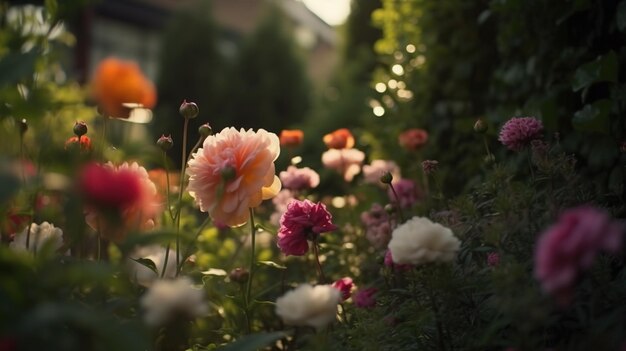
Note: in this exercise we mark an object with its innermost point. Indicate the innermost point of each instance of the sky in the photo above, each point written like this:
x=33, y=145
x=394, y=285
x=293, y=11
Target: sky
x=334, y=12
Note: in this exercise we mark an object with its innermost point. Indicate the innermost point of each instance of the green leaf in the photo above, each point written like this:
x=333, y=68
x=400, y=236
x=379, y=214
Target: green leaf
x=620, y=17
x=271, y=264
x=594, y=117
x=602, y=69
x=253, y=342
x=148, y=263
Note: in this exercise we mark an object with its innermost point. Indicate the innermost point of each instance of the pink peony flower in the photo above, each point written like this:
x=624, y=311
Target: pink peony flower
x=295, y=178
x=373, y=171
x=396, y=266
x=413, y=139
x=407, y=191
x=304, y=220
x=493, y=259
x=344, y=285
x=345, y=161
x=378, y=226
x=571, y=245
x=518, y=132
x=280, y=201
x=365, y=298
x=232, y=172
x=119, y=199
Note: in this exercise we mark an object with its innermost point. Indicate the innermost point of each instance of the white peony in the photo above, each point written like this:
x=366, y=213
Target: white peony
x=145, y=276
x=41, y=235
x=420, y=241
x=166, y=300
x=307, y=305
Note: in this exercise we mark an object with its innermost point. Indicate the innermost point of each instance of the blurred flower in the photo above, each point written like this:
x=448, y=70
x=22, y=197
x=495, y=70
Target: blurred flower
x=378, y=225
x=314, y=306
x=303, y=220
x=413, y=139
x=346, y=161
x=419, y=241
x=376, y=169
x=159, y=177
x=233, y=172
x=398, y=267
x=344, y=285
x=365, y=298
x=14, y=221
x=407, y=193
x=145, y=276
x=239, y=275
x=339, y=139
x=168, y=300
x=41, y=235
x=571, y=245
x=117, y=82
x=119, y=199
x=72, y=143
x=280, y=201
x=295, y=178
x=493, y=259
x=430, y=166
x=291, y=137
x=518, y=132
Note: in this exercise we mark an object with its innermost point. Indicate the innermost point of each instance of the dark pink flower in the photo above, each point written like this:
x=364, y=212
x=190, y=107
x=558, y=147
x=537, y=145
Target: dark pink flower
x=493, y=259
x=365, y=298
x=303, y=220
x=344, y=285
x=104, y=187
x=518, y=132
x=396, y=266
x=407, y=191
x=430, y=166
x=571, y=246
x=378, y=226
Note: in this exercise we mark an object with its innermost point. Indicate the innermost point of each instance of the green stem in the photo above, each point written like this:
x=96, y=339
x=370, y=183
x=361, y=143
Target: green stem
x=251, y=269
x=104, y=135
x=187, y=252
x=395, y=195
x=530, y=165
x=320, y=271
x=180, y=191
x=167, y=186
x=486, y=146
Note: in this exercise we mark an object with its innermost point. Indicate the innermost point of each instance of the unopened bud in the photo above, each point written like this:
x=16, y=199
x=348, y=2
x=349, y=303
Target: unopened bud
x=189, y=110
x=228, y=173
x=23, y=126
x=80, y=128
x=165, y=142
x=480, y=126
x=390, y=208
x=205, y=130
x=386, y=178
x=239, y=275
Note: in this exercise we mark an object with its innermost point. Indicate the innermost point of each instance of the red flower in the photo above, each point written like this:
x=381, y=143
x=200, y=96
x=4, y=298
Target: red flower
x=413, y=139
x=303, y=220
x=365, y=298
x=344, y=285
x=291, y=137
x=105, y=188
x=339, y=139
x=85, y=143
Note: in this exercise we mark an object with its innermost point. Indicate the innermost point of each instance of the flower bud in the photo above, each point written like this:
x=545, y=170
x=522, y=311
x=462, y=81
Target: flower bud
x=386, y=178
x=239, y=275
x=80, y=128
x=228, y=173
x=390, y=208
x=23, y=126
x=165, y=142
x=189, y=110
x=205, y=130
x=480, y=126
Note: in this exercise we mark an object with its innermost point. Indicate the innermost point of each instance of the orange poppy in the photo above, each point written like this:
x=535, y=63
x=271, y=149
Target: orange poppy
x=339, y=139
x=291, y=137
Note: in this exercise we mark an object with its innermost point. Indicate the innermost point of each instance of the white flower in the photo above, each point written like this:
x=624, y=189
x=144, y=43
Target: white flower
x=307, y=305
x=167, y=299
x=145, y=276
x=421, y=241
x=41, y=235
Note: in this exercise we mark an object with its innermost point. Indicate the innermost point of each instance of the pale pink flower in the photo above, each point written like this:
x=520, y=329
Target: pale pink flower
x=365, y=298
x=344, y=285
x=280, y=201
x=493, y=259
x=233, y=172
x=295, y=178
x=139, y=214
x=518, y=132
x=407, y=192
x=571, y=246
x=345, y=161
x=378, y=226
x=373, y=171
x=303, y=220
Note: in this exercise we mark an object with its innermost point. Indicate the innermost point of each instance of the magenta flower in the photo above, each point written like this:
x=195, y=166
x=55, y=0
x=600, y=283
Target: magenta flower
x=378, y=226
x=493, y=259
x=518, y=132
x=303, y=220
x=344, y=285
x=365, y=298
x=396, y=266
x=295, y=178
x=571, y=246
x=407, y=191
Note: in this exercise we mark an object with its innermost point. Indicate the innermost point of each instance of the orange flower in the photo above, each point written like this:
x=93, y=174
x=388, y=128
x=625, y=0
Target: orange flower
x=159, y=178
x=117, y=82
x=291, y=137
x=232, y=172
x=339, y=139
x=413, y=139
x=85, y=143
